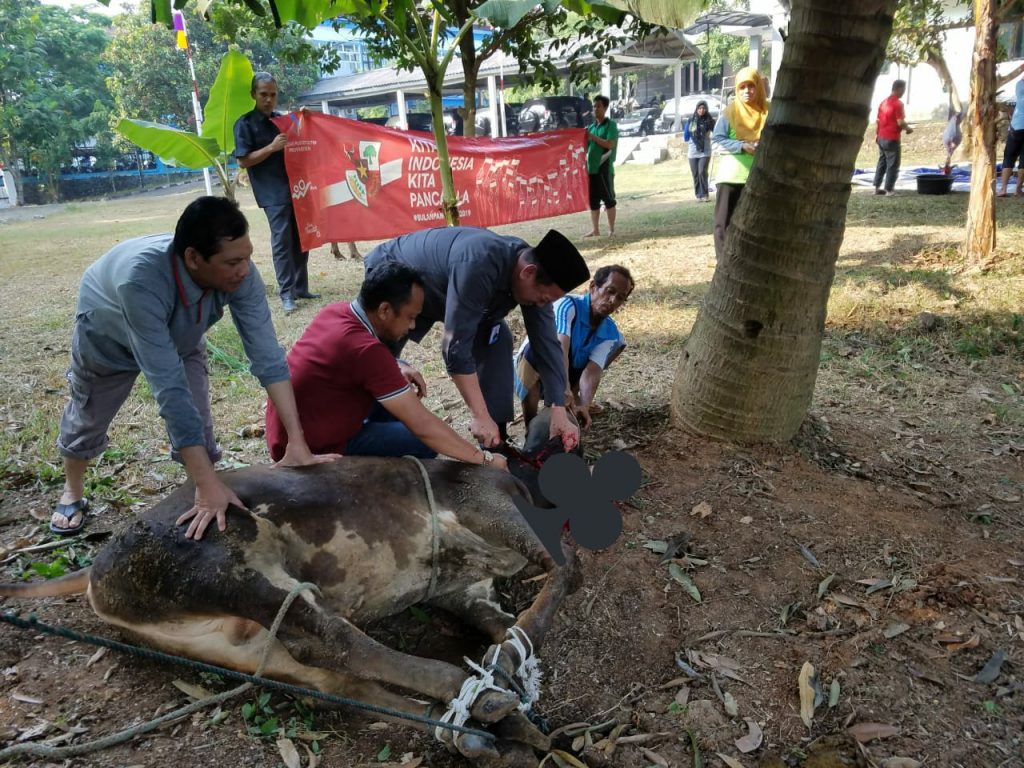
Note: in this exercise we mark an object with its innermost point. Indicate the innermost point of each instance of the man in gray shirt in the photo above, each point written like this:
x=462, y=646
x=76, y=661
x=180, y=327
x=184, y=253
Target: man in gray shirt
x=145, y=306
x=472, y=279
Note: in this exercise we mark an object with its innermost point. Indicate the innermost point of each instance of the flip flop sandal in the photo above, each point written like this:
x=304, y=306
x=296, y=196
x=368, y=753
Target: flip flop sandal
x=68, y=511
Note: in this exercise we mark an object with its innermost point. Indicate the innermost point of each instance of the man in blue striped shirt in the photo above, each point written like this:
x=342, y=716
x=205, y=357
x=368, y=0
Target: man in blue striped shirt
x=590, y=342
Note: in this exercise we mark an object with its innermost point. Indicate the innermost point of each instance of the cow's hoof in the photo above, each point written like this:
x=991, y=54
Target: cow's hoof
x=516, y=727
x=513, y=755
x=477, y=749
x=492, y=706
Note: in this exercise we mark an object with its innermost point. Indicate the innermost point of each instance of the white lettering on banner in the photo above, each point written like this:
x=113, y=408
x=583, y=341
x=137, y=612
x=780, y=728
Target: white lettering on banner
x=419, y=145
x=299, y=190
x=424, y=163
x=434, y=199
x=432, y=163
x=422, y=181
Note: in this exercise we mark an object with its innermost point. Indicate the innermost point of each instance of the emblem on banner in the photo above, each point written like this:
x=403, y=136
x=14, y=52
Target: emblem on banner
x=364, y=181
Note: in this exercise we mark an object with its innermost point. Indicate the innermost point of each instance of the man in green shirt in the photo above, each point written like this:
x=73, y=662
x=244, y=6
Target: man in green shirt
x=602, y=136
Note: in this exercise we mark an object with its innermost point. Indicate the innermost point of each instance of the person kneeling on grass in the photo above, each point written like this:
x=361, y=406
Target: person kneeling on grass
x=590, y=343
x=353, y=396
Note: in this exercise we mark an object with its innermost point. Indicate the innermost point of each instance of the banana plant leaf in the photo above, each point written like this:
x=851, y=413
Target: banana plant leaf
x=502, y=13
x=674, y=14
x=173, y=146
x=230, y=98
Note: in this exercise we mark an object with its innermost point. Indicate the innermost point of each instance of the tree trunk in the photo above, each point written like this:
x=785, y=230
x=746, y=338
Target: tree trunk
x=937, y=61
x=747, y=371
x=981, y=210
x=470, y=71
x=448, y=201
x=13, y=164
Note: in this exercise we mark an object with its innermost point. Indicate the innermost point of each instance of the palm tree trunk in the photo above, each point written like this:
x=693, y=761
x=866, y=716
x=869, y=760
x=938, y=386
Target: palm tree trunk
x=747, y=371
x=981, y=209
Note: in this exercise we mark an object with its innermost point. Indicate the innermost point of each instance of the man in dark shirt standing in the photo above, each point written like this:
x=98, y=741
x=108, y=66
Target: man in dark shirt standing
x=258, y=147
x=472, y=279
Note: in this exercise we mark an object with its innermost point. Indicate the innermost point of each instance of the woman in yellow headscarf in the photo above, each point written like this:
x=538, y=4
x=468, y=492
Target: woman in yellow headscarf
x=735, y=139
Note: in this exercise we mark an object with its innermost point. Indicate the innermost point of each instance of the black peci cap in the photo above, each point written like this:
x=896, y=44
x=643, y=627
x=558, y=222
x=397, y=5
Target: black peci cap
x=560, y=259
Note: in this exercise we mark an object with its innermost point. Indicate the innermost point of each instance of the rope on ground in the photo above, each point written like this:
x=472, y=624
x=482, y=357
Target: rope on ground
x=44, y=750
x=58, y=753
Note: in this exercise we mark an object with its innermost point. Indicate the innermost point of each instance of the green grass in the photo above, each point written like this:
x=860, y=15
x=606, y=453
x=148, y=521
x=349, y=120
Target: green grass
x=900, y=258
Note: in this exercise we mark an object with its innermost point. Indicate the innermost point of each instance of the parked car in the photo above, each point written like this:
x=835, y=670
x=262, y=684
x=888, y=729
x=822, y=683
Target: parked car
x=424, y=121
x=483, y=120
x=641, y=122
x=552, y=112
x=686, y=106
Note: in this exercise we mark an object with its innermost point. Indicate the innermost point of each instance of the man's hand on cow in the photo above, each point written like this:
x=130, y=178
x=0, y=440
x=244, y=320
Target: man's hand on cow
x=299, y=455
x=562, y=428
x=415, y=379
x=485, y=431
x=212, y=500
x=499, y=462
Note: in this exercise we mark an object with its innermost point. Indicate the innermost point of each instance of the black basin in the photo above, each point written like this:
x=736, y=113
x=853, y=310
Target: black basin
x=934, y=184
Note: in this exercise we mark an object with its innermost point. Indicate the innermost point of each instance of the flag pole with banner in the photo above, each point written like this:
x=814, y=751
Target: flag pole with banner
x=352, y=180
x=181, y=40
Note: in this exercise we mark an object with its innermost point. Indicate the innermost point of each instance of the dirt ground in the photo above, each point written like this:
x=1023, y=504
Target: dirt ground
x=883, y=545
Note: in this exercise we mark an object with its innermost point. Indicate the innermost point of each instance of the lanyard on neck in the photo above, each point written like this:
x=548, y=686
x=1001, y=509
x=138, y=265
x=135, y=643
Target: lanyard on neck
x=181, y=290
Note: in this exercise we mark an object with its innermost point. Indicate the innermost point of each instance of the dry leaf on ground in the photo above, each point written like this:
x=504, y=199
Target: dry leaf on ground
x=703, y=509
x=895, y=629
x=654, y=757
x=679, y=575
x=192, y=691
x=25, y=699
x=833, y=693
x=289, y=754
x=806, y=693
x=752, y=740
x=990, y=671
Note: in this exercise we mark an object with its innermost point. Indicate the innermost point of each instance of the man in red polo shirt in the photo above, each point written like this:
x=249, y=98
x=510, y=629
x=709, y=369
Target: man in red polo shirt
x=890, y=126
x=350, y=390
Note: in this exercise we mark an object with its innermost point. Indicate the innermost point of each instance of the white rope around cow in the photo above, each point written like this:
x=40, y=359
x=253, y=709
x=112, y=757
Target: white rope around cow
x=435, y=534
x=527, y=673
x=528, y=670
x=473, y=687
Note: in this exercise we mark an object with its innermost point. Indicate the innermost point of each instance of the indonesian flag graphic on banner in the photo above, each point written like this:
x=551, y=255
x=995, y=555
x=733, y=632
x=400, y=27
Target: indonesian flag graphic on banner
x=359, y=181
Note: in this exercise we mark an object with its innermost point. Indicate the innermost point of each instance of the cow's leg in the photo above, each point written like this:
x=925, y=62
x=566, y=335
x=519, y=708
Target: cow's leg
x=318, y=639
x=477, y=605
x=239, y=643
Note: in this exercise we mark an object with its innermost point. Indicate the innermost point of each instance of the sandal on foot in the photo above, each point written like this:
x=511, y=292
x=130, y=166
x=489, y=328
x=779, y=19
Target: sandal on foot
x=68, y=511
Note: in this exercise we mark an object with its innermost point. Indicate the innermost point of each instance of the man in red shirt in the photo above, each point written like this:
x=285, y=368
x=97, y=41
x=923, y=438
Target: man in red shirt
x=890, y=126
x=350, y=390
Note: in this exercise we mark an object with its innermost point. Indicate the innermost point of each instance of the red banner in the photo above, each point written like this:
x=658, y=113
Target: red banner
x=359, y=181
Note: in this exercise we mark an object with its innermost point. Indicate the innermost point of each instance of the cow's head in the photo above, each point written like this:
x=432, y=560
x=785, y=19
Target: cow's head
x=538, y=448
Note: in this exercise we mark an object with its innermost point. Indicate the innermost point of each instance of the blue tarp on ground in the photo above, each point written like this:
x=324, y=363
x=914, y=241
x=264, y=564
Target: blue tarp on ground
x=908, y=177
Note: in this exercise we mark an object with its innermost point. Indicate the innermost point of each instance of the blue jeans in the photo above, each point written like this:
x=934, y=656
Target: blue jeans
x=384, y=435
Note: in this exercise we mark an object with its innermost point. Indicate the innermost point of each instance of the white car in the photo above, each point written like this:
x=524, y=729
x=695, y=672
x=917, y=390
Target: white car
x=687, y=104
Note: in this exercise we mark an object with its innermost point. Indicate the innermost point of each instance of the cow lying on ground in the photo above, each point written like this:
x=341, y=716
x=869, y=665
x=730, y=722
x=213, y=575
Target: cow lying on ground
x=361, y=530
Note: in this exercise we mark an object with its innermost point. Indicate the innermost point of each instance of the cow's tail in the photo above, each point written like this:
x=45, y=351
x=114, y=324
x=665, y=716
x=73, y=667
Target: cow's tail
x=73, y=584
